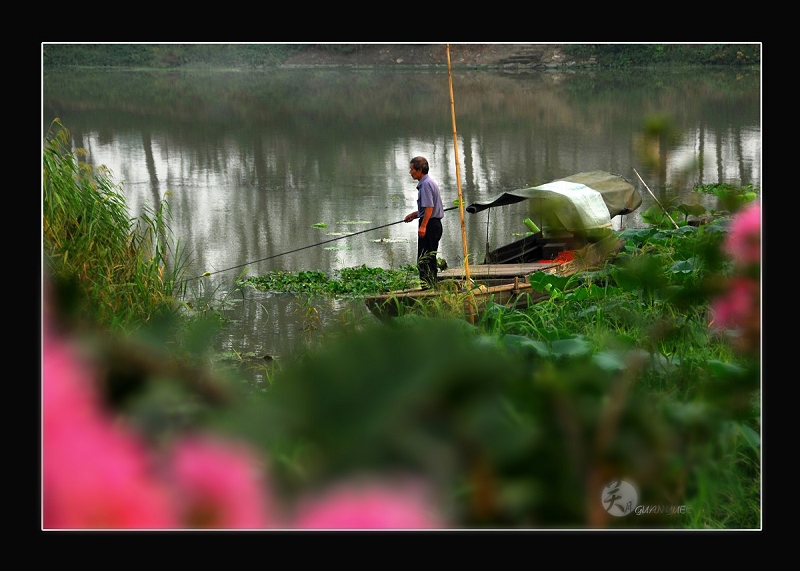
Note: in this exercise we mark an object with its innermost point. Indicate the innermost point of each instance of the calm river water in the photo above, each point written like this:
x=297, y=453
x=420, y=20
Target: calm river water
x=271, y=169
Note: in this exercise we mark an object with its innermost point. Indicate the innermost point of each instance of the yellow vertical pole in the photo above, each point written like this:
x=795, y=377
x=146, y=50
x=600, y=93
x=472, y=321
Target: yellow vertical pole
x=458, y=182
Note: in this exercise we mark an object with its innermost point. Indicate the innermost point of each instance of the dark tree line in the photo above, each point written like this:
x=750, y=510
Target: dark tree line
x=177, y=55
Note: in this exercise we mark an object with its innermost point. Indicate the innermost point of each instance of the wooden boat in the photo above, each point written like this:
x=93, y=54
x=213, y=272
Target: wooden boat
x=578, y=219
x=453, y=296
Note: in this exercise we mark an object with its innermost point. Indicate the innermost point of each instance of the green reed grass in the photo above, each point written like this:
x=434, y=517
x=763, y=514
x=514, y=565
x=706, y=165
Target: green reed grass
x=120, y=272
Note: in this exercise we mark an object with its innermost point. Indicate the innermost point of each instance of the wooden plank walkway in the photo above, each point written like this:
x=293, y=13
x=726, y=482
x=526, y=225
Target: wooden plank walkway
x=479, y=271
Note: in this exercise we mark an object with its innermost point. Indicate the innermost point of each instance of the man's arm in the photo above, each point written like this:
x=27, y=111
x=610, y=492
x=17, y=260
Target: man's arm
x=425, y=218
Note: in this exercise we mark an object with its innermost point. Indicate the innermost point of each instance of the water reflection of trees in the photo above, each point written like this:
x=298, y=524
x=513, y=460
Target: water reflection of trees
x=279, y=131
x=296, y=100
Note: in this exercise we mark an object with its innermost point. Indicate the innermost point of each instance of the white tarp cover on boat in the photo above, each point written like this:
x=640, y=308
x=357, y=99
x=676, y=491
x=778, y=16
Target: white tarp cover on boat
x=580, y=202
x=569, y=205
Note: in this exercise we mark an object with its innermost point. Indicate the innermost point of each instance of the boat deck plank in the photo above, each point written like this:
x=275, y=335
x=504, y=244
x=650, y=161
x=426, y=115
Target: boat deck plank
x=479, y=271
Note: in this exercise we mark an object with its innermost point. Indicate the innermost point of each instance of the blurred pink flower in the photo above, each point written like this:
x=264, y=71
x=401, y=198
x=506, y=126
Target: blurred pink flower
x=97, y=474
x=739, y=306
x=355, y=505
x=94, y=474
x=219, y=485
x=68, y=395
x=744, y=240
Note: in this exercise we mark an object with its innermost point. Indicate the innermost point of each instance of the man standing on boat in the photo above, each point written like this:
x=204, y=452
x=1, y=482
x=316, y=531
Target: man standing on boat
x=429, y=212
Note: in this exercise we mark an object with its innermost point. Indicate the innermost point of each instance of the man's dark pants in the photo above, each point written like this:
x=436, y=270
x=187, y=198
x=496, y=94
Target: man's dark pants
x=427, y=248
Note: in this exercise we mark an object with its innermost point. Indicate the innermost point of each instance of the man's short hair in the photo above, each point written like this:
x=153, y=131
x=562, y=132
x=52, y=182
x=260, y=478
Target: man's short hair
x=420, y=163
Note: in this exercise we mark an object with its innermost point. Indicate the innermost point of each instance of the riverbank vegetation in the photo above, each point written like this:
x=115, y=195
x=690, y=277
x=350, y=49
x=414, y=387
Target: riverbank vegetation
x=648, y=375
x=266, y=55
x=111, y=270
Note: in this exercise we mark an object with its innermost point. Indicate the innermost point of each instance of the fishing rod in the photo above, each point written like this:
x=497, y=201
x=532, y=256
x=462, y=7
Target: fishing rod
x=657, y=201
x=207, y=274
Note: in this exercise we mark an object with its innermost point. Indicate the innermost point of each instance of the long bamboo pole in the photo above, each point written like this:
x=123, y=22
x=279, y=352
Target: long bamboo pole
x=458, y=168
x=458, y=184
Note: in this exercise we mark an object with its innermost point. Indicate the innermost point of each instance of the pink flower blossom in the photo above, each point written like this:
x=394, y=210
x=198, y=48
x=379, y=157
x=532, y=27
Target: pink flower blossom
x=97, y=474
x=219, y=485
x=354, y=505
x=744, y=240
x=739, y=306
x=68, y=395
x=94, y=474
